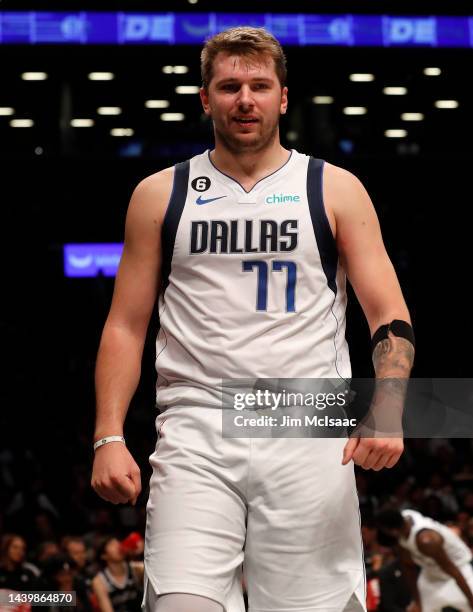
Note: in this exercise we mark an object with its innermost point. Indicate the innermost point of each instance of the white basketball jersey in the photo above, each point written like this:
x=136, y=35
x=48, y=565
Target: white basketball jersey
x=456, y=549
x=251, y=282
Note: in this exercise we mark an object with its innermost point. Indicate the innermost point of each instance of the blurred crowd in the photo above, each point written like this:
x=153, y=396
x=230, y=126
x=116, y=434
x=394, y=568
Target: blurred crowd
x=105, y=574
x=62, y=537
x=435, y=477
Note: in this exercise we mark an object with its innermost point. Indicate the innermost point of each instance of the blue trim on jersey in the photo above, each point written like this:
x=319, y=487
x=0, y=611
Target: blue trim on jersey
x=257, y=182
x=262, y=281
x=322, y=230
x=291, y=267
x=172, y=218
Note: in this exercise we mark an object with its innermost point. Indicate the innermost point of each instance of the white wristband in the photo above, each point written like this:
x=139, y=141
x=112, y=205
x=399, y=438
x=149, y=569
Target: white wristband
x=108, y=439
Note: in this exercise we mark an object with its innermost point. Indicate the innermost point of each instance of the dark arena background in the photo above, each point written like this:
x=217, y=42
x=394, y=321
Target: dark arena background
x=91, y=102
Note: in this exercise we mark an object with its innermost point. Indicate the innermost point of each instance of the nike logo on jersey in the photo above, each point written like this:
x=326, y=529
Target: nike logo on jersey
x=200, y=200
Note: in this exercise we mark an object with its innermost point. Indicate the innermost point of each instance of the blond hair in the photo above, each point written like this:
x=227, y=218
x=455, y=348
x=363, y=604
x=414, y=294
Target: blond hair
x=243, y=41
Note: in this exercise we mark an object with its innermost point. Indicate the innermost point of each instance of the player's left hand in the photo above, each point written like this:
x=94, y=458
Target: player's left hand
x=373, y=453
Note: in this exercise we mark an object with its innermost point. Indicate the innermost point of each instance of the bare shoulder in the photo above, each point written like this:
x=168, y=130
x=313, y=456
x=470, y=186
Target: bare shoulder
x=340, y=185
x=151, y=195
x=345, y=197
x=427, y=539
x=334, y=171
x=158, y=180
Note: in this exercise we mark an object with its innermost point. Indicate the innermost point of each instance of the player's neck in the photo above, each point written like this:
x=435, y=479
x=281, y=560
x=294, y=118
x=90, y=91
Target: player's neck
x=248, y=167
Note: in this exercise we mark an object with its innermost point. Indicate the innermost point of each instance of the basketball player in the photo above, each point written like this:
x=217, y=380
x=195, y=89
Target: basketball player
x=446, y=576
x=247, y=247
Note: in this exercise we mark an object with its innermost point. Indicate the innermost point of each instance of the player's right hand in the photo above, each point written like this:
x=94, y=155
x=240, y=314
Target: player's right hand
x=414, y=606
x=115, y=475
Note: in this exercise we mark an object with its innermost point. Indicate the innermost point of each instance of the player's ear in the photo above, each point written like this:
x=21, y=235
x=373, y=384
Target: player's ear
x=284, y=101
x=204, y=98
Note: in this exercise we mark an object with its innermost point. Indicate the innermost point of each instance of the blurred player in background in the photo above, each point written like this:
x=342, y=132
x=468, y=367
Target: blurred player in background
x=446, y=574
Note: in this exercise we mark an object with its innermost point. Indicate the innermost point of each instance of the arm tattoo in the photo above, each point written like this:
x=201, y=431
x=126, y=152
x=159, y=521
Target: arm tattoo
x=393, y=357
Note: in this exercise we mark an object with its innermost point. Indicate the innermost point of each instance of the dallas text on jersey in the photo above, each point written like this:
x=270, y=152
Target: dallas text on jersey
x=243, y=236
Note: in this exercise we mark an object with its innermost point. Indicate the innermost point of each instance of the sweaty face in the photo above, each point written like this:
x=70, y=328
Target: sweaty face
x=245, y=101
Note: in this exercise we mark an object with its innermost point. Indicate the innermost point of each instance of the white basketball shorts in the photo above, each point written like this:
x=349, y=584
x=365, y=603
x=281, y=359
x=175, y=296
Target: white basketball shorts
x=437, y=593
x=282, y=510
